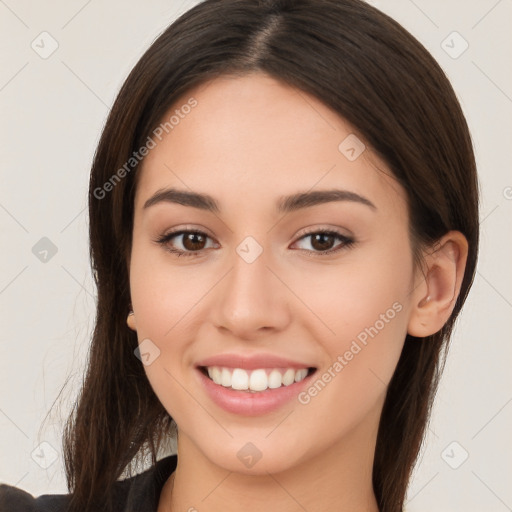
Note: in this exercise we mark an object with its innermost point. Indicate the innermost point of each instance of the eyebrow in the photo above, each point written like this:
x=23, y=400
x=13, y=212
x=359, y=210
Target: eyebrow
x=285, y=204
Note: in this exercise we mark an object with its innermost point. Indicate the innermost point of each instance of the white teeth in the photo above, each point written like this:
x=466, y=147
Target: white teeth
x=275, y=379
x=258, y=380
x=289, y=377
x=215, y=374
x=239, y=379
x=300, y=375
x=225, y=378
x=255, y=380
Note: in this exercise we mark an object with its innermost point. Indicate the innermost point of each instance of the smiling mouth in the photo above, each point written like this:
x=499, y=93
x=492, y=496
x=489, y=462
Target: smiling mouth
x=257, y=380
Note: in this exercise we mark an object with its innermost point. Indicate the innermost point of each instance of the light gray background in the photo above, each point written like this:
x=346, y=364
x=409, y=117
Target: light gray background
x=52, y=112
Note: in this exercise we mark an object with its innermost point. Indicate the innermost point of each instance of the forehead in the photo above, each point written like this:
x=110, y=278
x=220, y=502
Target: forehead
x=263, y=137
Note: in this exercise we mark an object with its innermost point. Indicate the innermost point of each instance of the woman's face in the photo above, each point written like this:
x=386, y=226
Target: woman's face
x=270, y=285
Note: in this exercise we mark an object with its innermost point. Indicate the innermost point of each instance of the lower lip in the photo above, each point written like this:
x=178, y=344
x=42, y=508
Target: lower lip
x=251, y=404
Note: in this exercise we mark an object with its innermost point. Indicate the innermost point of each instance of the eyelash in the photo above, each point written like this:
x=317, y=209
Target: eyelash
x=163, y=240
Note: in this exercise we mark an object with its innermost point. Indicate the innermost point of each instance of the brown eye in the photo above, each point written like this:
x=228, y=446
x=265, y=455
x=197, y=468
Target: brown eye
x=193, y=241
x=184, y=242
x=324, y=242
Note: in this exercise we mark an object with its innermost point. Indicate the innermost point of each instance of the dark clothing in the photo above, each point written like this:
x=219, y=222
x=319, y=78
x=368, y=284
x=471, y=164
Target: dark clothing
x=140, y=493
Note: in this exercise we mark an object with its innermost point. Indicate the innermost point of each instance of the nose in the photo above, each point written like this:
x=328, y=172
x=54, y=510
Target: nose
x=251, y=302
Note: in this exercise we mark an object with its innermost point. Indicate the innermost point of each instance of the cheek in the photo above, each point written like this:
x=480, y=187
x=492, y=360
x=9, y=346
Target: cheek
x=364, y=312
x=161, y=301
x=370, y=307
x=166, y=300
x=163, y=295
x=361, y=300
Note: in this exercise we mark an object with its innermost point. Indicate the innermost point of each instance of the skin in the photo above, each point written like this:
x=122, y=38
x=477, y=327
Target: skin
x=249, y=141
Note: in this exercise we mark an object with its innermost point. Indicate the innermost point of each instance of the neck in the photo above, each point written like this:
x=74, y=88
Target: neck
x=339, y=478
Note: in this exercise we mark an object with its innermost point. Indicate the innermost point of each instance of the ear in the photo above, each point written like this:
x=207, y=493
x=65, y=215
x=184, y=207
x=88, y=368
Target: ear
x=130, y=321
x=438, y=284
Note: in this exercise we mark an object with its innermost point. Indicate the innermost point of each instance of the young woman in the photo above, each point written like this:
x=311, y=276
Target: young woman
x=283, y=228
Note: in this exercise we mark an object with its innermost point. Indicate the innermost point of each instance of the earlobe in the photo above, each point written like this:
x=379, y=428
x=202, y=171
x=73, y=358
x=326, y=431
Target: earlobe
x=435, y=296
x=130, y=321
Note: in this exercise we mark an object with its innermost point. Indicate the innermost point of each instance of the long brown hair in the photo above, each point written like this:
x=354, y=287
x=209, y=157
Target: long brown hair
x=373, y=73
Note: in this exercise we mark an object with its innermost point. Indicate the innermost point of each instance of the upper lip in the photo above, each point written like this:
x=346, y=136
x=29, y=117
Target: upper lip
x=252, y=361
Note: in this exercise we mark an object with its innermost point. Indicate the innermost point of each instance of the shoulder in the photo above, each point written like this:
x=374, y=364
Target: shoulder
x=140, y=492
x=13, y=499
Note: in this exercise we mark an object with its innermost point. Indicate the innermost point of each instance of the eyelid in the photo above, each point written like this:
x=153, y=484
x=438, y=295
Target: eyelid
x=304, y=231
x=323, y=228
x=187, y=229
